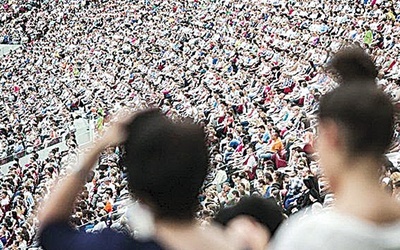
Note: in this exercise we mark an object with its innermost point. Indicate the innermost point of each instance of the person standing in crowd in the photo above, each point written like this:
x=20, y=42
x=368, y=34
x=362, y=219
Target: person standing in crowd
x=355, y=129
x=167, y=163
x=368, y=36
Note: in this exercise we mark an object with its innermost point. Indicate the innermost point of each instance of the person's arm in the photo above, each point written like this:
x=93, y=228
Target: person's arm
x=61, y=201
x=60, y=204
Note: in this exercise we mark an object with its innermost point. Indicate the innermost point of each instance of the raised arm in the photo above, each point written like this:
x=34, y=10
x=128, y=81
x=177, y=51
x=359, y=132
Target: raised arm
x=60, y=204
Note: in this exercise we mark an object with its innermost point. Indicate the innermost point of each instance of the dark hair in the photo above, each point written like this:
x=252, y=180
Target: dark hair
x=264, y=211
x=365, y=116
x=167, y=163
x=268, y=177
x=353, y=65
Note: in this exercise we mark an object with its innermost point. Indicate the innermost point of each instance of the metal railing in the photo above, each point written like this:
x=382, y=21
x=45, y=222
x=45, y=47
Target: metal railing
x=25, y=152
x=84, y=135
x=6, y=48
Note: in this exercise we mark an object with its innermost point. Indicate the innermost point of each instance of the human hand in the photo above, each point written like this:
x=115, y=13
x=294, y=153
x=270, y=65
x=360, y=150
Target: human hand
x=116, y=133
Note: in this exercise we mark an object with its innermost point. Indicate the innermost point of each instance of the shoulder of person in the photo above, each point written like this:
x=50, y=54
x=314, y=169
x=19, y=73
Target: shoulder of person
x=302, y=231
x=333, y=230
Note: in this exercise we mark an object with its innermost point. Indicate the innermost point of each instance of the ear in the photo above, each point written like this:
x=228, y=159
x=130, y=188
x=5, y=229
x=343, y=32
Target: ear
x=330, y=131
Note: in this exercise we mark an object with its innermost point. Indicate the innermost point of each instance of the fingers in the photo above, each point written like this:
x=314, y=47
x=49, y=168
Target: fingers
x=116, y=131
x=123, y=116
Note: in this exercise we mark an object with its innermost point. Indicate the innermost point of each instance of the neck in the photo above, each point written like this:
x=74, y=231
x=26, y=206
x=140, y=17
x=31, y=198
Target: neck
x=189, y=235
x=166, y=229
x=175, y=224
x=176, y=234
x=359, y=193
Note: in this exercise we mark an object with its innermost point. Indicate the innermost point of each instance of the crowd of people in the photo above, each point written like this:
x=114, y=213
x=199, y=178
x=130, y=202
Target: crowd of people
x=23, y=187
x=250, y=72
x=17, y=13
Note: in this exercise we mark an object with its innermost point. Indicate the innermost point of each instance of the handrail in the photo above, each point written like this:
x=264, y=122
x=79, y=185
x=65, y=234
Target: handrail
x=53, y=142
x=24, y=152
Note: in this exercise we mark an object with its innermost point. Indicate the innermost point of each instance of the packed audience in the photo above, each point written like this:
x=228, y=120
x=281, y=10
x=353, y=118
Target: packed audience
x=250, y=72
x=23, y=187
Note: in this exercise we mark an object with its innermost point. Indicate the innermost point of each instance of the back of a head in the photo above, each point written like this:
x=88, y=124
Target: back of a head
x=167, y=163
x=353, y=65
x=364, y=114
x=264, y=211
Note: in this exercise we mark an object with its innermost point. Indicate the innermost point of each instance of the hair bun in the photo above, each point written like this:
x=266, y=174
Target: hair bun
x=352, y=65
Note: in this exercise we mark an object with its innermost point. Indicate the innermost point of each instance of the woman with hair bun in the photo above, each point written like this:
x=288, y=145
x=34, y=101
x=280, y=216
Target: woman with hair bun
x=352, y=65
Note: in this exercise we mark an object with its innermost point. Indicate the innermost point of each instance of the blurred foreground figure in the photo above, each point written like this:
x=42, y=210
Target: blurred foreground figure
x=355, y=130
x=167, y=163
x=254, y=220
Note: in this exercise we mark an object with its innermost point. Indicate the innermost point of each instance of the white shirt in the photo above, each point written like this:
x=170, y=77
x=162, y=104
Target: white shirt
x=331, y=230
